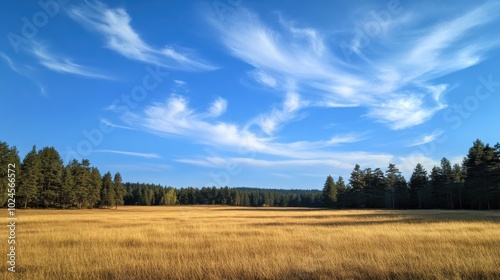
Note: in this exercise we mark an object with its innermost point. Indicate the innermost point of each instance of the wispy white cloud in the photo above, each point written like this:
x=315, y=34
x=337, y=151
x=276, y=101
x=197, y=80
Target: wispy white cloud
x=427, y=138
x=9, y=63
x=217, y=108
x=62, y=64
x=270, y=122
x=175, y=117
x=111, y=124
x=134, y=154
x=396, y=86
x=264, y=78
x=114, y=24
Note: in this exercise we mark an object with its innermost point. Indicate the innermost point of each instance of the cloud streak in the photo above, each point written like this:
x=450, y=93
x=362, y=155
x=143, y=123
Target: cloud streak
x=396, y=86
x=175, y=117
x=114, y=24
x=64, y=65
x=133, y=154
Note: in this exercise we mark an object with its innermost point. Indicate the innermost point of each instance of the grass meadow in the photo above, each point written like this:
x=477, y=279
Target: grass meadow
x=202, y=242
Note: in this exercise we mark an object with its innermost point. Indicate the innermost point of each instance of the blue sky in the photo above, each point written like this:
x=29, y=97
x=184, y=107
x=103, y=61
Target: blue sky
x=250, y=93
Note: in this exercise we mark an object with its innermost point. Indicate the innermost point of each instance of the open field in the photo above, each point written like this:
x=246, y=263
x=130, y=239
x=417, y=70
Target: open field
x=254, y=243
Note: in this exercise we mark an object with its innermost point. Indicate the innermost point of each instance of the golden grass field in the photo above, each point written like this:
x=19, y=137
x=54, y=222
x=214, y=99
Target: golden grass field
x=254, y=243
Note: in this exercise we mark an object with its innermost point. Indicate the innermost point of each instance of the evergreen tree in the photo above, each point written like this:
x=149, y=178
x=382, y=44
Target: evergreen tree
x=357, y=183
x=119, y=190
x=8, y=156
x=375, y=188
x=51, y=179
x=67, y=195
x=476, y=186
x=393, y=179
x=108, y=196
x=341, y=192
x=29, y=178
x=437, y=184
x=329, y=193
x=82, y=177
x=457, y=182
x=418, y=183
x=495, y=177
x=94, y=187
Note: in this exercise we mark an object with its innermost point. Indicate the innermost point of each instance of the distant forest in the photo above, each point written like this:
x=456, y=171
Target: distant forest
x=43, y=181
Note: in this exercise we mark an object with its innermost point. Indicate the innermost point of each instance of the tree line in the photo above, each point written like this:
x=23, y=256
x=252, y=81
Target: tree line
x=150, y=194
x=42, y=180
x=474, y=184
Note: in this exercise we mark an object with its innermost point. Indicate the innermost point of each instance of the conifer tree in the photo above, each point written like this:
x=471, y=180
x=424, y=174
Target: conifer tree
x=418, y=183
x=119, y=189
x=393, y=178
x=108, y=196
x=357, y=183
x=51, y=175
x=94, y=187
x=457, y=181
x=8, y=156
x=67, y=195
x=329, y=193
x=29, y=178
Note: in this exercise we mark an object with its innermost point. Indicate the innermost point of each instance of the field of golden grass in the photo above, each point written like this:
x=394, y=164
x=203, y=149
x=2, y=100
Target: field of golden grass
x=253, y=243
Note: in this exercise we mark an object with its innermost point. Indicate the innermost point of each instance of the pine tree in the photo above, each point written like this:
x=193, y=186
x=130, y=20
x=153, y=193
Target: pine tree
x=29, y=178
x=82, y=178
x=119, y=190
x=418, y=183
x=457, y=182
x=475, y=184
x=495, y=182
x=375, y=188
x=393, y=178
x=94, y=187
x=437, y=187
x=341, y=192
x=329, y=193
x=108, y=196
x=447, y=188
x=67, y=195
x=357, y=183
x=9, y=159
x=51, y=169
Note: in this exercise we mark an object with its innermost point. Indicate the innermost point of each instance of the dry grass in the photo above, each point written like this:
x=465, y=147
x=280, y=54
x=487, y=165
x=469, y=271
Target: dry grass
x=254, y=243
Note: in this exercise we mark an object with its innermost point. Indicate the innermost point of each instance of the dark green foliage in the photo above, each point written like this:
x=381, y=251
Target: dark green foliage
x=67, y=195
x=29, y=178
x=94, y=187
x=119, y=189
x=108, y=194
x=43, y=181
x=51, y=176
x=329, y=194
x=419, y=182
x=8, y=155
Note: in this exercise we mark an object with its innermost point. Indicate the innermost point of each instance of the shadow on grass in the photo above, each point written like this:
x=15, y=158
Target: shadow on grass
x=273, y=209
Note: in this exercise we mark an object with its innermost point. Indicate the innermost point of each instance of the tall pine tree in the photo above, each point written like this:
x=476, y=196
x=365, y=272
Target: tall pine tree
x=418, y=183
x=119, y=190
x=29, y=178
x=108, y=195
x=329, y=193
x=51, y=179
